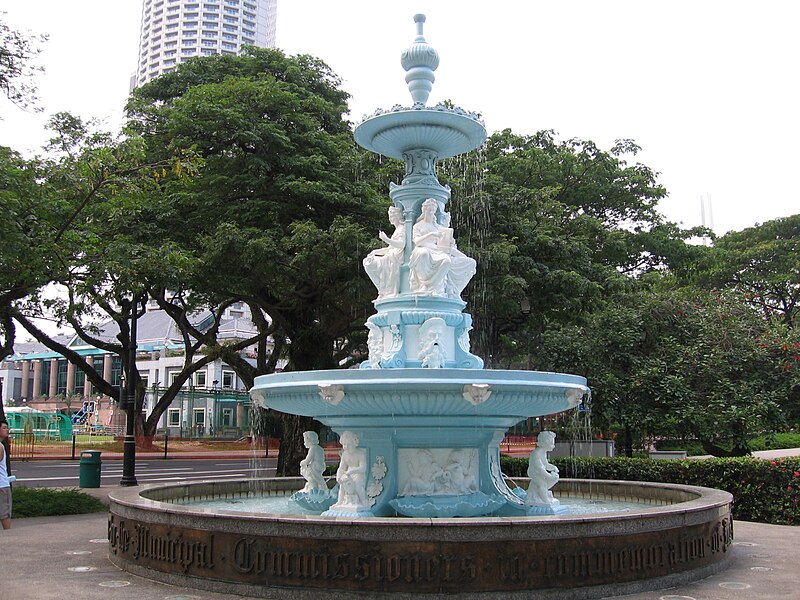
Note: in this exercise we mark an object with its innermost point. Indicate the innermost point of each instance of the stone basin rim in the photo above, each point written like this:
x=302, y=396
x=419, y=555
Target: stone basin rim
x=705, y=499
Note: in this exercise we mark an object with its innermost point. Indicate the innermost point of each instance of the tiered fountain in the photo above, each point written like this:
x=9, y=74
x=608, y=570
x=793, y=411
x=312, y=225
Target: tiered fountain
x=420, y=504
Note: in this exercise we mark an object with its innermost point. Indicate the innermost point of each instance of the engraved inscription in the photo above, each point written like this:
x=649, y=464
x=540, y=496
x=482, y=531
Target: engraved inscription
x=423, y=567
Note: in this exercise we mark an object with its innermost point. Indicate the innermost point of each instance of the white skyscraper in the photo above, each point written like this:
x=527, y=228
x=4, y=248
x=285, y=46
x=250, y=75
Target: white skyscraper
x=174, y=30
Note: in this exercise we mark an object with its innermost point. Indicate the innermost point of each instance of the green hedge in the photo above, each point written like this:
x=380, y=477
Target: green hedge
x=763, y=491
x=775, y=442
x=45, y=502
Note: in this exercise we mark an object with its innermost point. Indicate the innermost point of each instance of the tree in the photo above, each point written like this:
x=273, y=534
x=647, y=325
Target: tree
x=17, y=53
x=277, y=216
x=763, y=264
x=95, y=245
x=557, y=227
x=678, y=362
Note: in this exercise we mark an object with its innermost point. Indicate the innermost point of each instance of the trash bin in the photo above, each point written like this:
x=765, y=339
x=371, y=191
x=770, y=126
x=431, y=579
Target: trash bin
x=90, y=469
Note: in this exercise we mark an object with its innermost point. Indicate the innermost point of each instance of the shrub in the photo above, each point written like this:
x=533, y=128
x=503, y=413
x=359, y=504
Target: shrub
x=45, y=502
x=777, y=441
x=763, y=491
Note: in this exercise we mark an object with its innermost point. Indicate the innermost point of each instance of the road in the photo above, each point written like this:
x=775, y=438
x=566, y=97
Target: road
x=65, y=473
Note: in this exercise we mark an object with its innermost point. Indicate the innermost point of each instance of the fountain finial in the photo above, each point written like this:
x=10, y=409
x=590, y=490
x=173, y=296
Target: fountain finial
x=420, y=60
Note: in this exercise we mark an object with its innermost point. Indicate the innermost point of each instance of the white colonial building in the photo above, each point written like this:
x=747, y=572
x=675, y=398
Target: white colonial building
x=213, y=402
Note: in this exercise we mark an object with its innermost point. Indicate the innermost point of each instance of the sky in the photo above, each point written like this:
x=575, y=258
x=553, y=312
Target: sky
x=706, y=88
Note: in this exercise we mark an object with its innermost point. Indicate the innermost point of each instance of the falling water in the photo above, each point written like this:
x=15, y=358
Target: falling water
x=260, y=426
x=469, y=209
x=577, y=431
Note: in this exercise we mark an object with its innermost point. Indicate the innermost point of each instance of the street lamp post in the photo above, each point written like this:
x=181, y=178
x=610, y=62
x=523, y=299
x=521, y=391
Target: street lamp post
x=127, y=392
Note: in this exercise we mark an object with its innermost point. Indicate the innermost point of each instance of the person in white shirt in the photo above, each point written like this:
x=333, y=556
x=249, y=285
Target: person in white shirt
x=5, y=478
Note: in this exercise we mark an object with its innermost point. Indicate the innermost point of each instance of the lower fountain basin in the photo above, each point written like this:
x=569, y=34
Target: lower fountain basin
x=683, y=534
x=418, y=392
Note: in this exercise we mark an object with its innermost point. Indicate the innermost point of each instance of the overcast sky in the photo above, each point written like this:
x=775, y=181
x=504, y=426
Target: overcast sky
x=707, y=88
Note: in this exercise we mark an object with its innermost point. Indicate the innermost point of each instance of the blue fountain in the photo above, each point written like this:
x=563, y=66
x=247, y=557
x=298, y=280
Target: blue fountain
x=420, y=425
x=422, y=419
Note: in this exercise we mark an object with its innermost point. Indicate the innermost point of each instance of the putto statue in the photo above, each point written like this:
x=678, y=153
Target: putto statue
x=313, y=465
x=352, y=476
x=544, y=475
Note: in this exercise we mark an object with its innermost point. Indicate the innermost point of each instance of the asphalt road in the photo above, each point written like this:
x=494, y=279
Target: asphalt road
x=65, y=473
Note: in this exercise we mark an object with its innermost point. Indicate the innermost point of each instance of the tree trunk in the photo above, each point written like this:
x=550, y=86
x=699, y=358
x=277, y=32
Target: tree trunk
x=310, y=349
x=720, y=452
x=628, y=442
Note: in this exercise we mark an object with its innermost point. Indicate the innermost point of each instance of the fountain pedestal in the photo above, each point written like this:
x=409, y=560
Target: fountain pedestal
x=428, y=418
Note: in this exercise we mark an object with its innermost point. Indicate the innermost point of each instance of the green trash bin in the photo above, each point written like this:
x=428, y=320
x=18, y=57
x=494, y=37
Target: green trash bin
x=90, y=469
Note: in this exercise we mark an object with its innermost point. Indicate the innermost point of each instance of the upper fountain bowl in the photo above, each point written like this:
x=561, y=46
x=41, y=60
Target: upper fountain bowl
x=441, y=129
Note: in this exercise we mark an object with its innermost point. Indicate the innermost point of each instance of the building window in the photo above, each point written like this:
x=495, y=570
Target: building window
x=80, y=382
x=200, y=379
x=173, y=377
x=61, y=377
x=199, y=415
x=228, y=379
x=227, y=417
x=44, y=379
x=173, y=417
x=116, y=371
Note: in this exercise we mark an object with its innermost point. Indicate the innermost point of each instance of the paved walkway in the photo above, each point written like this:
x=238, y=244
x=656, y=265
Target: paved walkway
x=65, y=557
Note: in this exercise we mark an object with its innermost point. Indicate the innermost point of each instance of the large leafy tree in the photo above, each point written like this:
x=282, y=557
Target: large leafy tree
x=557, y=227
x=669, y=361
x=18, y=51
x=763, y=264
x=277, y=216
x=92, y=240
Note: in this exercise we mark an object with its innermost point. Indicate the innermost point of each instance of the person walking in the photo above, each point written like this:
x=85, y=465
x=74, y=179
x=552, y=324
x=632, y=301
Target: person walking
x=5, y=477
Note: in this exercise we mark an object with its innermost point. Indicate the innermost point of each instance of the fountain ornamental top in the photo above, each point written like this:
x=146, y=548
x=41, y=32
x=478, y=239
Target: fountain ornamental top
x=443, y=130
x=420, y=61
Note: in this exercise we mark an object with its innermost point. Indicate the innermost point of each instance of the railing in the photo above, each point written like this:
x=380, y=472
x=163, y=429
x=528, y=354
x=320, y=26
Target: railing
x=26, y=447
x=23, y=446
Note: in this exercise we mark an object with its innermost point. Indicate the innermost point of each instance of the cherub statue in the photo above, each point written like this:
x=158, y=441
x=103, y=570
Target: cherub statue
x=352, y=475
x=543, y=474
x=313, y=465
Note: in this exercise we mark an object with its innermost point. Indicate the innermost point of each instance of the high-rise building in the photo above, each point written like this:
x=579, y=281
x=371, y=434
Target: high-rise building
x=174, y=30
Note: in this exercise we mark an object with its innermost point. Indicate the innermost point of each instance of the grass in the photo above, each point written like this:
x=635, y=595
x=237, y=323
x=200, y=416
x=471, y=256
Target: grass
x=46, y=502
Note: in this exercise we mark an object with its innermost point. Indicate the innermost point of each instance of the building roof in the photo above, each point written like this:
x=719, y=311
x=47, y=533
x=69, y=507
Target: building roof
x=155, y=330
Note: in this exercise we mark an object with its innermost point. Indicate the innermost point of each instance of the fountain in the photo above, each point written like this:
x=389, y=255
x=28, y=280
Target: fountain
x=420, y=505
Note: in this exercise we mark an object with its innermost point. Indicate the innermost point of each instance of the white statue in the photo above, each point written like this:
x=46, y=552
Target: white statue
x=437, y=266
x=462, y=268
x=440, y=472
x=430, y=259
x=543, y=474
x=374, y=344
x=313, y=465
x=431, y=350
x=352, y=475
x=383, y=264
x=458, y=477
x=422, y=473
